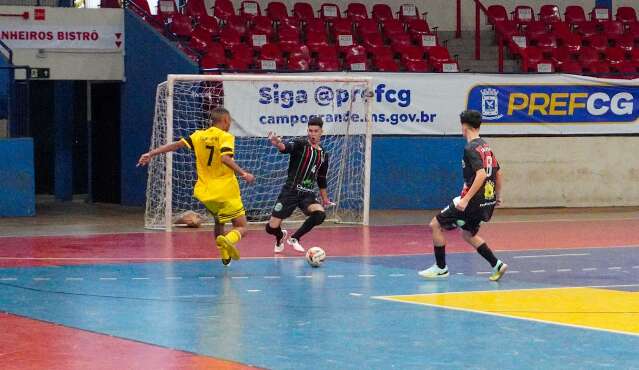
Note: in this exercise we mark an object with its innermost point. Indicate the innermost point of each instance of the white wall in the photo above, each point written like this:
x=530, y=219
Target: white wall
x=72, y=64
x=569, y=171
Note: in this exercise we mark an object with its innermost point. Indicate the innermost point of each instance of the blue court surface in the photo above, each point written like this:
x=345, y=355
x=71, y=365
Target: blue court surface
x=283, y=314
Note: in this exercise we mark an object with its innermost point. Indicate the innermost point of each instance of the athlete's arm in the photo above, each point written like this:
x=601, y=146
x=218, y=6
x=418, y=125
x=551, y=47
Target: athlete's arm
x=480, y=177
x=230, y=162
x=498, y=183
x=276, y=141
x=146, y=157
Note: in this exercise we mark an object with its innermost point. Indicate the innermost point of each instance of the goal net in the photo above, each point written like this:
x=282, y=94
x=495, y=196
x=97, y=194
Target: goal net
x=259, y=104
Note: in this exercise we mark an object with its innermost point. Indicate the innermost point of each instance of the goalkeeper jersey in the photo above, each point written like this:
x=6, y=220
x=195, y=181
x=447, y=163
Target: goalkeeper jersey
x=215, y=180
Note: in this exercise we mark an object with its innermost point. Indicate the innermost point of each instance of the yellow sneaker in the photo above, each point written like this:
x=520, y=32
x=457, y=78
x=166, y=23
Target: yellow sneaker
x=224, y=255
x=229, y=247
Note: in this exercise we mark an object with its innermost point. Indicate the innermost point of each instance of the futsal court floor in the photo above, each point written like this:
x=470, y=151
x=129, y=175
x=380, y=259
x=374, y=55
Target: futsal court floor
x=77, y=294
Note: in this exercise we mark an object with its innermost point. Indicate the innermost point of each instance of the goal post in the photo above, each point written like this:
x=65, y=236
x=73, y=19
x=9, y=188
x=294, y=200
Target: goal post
x=259, y=104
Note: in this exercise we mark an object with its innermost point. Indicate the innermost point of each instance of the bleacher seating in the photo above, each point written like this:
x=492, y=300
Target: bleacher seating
x=241, y=35
x=598, y=44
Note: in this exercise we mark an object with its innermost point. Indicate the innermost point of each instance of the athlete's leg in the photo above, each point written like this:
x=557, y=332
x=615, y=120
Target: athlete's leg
x=316, y=216
x=499, y=267
x=224, y=254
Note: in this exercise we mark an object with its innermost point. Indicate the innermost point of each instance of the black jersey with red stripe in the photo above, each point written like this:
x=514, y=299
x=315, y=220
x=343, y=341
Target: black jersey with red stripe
x=307, y=165
x=478, y=155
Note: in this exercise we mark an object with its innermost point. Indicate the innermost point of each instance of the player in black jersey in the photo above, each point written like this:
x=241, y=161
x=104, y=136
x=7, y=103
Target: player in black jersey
x=480, y=195
x=307, y=165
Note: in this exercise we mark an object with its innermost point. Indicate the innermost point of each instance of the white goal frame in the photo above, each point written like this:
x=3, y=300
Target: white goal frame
x=172, y=78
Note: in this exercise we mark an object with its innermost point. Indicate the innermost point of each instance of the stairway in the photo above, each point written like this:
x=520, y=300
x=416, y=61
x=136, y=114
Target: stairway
x=464, y=48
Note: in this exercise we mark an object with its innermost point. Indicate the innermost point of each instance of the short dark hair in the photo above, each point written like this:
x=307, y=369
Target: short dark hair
x=471, y=117
x=217, y=114
x=316, y=121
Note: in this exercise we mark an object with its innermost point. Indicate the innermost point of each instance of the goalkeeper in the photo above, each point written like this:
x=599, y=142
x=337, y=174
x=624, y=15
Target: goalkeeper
x=217, y=187
x=308, y=164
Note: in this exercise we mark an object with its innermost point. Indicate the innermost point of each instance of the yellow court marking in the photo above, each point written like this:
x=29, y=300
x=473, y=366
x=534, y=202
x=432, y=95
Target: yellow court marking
x=599, y=309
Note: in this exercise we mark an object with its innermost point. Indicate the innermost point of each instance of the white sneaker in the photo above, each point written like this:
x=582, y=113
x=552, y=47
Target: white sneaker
x=434, y=272
x=498, y=271
x=279, y=247
x=295, y=244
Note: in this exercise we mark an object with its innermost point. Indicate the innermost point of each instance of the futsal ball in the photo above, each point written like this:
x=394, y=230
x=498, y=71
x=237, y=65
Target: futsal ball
x=315, y=256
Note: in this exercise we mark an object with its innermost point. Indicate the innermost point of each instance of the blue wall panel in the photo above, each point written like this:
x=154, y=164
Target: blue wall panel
x=17, y=180
x=149, y=58
x=63, y=123
x=415, y=172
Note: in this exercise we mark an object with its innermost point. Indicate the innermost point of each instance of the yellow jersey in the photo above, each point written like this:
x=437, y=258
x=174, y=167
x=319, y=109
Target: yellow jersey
x=215, y=180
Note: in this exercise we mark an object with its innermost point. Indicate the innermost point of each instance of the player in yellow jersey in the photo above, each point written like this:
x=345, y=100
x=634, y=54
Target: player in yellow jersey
x=217, y=187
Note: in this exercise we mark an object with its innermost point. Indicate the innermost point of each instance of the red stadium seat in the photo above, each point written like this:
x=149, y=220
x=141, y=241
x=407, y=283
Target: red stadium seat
x=243, y=53
x=214, y=57
x=366, y=27
x=300, y=51
x=587, y=57
x=315, y=26
x=257, y=39
x=570, y=67
x=372, y=41
x=626, y=42
x=531, y=56
x=615, y=55
x=271, y=52
x=437, y=56
x=561, y=30
x=356, y=12
x=633, y=31
x=560, y=56
x=572, y=43
x=626, y=15
x=315, y=41
x=297, y=63
x=549, y=14
x=600, y=68
x=418, y=28
x=574, y=15
x=239, y=64
x=328, y=65
x=546, y=43
x=229, y=38
x=400, y=42
x=329, y=12
x=600, y=15
x=303, y=11
x=236, y=23
x=178, y=24
x=523, y=15
x=327, y=59
x=535, y=29
x=629, y=69
x=341, y=27
x=276, y=10
x=250, y=9
x=200, y=39
x=289, y=37
x=197, y=11
x=382, y=12
x=384, y=64
x=355, y=54
x=262, y=25
x=382, y=51
x=392, y=27
x=587, y=30
x=417, y=66
x=506, y=30
x=223, y=9
x=613, y=30
x=497, y=14
x=407, y=13
x=599, y=43
x=634, y=55
x=412, y=54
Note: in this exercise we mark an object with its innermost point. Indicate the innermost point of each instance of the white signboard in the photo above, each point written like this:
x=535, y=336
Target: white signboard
x=330, y=11
x=409, y=10
x=429, y=40
x=269, y=65
x=429, y=104
x=345, y=40
x=259, y=40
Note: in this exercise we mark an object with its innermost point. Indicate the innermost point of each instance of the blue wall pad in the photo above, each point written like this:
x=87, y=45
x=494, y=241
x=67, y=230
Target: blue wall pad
x=17, y=180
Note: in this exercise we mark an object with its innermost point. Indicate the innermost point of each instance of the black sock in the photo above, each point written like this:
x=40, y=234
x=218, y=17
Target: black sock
x=277, y=231
x=487, y=254
x=313, y=220
x=440, y=256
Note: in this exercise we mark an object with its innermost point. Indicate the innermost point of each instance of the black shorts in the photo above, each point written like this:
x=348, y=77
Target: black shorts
x=470, y=219
x=289, y=199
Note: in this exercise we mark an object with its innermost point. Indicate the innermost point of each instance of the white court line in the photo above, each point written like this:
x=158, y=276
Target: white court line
x=272, y=277
x=537, y=271
x=553, y=255
x=459, y=273
x=635, y=267
x=139, y=278
x=366, y=275
x=614, y=268
x=41, y=278
x=335, y=276
x=589, y=269
x=396, y=275
x=8, y=279
x=108, y=278
x=204, y=295
x=173, y=278
x=206, y=277
x=303, y=276
x=355, y=294
x=253, y=290
x=74, y=279
x=564, y=270
x=239, y=277
x=483, y=272
x=512, y=272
